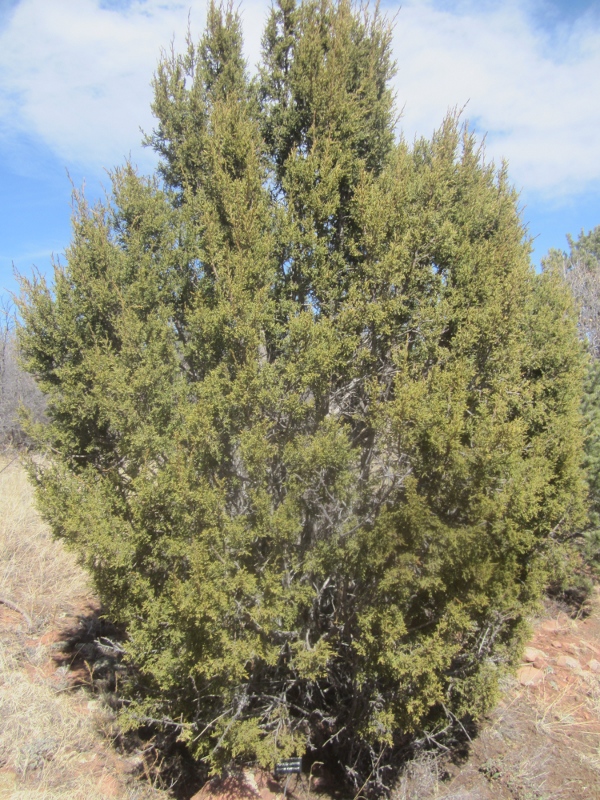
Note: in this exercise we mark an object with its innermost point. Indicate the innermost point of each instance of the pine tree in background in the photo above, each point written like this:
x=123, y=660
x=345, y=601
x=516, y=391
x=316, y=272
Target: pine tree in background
x=314, y=420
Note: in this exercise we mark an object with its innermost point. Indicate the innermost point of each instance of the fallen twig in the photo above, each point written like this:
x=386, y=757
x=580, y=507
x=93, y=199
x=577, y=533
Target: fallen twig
x=18, y=609
x=6, y=466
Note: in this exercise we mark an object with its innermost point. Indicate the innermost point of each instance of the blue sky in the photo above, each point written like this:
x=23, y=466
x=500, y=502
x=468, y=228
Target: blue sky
x=75, y=90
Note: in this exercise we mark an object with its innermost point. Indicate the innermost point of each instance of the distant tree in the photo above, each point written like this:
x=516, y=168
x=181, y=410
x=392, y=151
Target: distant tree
x=314, y=419
x=18, y=390
x=580, y=268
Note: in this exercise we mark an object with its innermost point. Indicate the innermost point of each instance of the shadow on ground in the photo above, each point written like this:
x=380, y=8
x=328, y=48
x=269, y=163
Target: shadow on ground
x=89, y=650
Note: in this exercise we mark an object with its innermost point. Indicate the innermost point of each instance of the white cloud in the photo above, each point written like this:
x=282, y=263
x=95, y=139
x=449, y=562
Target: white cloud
x=77, y=76
x=534, y=91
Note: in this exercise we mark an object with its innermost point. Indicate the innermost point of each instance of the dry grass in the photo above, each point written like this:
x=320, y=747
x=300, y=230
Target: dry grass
x=51, y=741
x=40, y=733
x=424, y=778
x=36, y=572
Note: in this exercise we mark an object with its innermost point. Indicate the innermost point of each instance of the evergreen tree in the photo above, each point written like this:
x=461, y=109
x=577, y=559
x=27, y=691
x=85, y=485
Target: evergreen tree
x=580, y=269
x=314, y=423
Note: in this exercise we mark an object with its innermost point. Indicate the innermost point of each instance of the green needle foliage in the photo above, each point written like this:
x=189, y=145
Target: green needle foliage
x=580, y=269
x=591, y=412
x=314, y=419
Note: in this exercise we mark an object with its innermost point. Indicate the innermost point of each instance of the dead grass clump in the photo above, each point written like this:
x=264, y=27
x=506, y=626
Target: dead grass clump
x=423, y=779
x=420, y=779
x=36, y=572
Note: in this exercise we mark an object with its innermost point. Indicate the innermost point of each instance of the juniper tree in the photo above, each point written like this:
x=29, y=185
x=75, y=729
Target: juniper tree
x=580, y=268
x=314, y=421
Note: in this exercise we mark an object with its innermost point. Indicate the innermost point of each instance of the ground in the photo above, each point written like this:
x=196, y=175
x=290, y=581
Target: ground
x=543, y=740
x=59, y=739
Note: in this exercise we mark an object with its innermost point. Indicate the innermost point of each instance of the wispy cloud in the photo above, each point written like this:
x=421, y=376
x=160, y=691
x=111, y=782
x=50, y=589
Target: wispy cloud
x=76, y=76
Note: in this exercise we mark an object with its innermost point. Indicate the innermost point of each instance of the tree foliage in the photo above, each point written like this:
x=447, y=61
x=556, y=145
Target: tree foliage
x=314, y=421
x=580, y=269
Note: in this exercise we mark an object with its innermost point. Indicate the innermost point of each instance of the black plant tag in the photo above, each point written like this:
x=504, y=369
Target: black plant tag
x=289, y=766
